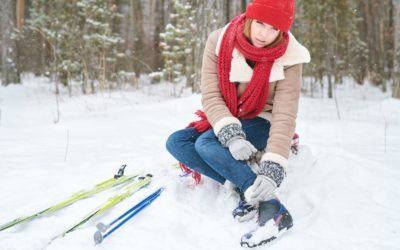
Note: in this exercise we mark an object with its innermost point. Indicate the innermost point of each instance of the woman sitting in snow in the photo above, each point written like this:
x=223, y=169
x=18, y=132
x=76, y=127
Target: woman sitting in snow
x=251, y=77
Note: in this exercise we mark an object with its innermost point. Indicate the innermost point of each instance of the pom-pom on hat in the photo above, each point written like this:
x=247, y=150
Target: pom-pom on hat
x=278, y=13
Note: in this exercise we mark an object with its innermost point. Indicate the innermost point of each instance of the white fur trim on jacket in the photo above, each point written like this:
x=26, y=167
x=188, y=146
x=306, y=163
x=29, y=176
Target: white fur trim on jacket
x=242, y=72
x=225, y=121
x=269, y=156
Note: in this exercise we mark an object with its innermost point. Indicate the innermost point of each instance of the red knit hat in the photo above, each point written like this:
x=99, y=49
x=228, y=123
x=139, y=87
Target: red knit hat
x=278, y=13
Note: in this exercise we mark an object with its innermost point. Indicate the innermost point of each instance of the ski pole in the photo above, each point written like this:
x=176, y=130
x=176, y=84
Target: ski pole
x=141, y=182
x=103, y=228
x=99, y=237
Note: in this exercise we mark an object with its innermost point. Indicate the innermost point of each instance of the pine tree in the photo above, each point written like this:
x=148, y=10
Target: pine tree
x=357, y=48
x=98, y=41
x=330, y=30
x=178, y=42
x=45, y=20
x=82, y=42
x=314, y=39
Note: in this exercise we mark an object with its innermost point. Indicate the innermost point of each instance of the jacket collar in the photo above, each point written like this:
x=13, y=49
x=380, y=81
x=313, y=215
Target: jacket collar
x=242, y=72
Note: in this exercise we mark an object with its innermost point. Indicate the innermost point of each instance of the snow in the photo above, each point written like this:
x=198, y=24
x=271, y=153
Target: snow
x=342, y=188
x=259, y=234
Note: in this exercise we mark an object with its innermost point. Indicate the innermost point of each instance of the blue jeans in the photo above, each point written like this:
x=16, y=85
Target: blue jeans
x=202, y=152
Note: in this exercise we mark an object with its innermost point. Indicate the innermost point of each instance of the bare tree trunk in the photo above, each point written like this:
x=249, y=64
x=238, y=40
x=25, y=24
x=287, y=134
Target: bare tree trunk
x=382, y=47
x=396, y=54
x=227, y=10
x=312, y=86
x=138, y=34
x=330, y=86
x=201, y=10
x=390, y=35
x=9, y=57
x=20, y=13
x=396, y=90
x=159, y=28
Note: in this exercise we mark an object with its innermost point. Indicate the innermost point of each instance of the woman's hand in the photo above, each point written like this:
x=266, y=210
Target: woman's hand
x=269, y=177
x=233, y=137
x=262, y=189
x=241, y=149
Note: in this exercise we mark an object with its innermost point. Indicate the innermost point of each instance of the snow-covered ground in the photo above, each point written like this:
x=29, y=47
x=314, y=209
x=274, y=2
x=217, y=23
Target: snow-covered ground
x=343, y=188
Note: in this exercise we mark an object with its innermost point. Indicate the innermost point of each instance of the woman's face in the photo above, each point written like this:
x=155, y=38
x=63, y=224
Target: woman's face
x=262, y=34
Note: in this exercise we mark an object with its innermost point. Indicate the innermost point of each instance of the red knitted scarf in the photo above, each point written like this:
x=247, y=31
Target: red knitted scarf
x=255, y=96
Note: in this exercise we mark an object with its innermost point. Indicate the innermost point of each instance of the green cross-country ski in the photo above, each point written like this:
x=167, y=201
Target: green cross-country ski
x=139, y=183
x=118, y=179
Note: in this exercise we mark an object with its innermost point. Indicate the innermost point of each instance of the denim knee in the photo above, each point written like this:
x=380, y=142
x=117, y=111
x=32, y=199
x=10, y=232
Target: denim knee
x=203, y=143
x=172, y=142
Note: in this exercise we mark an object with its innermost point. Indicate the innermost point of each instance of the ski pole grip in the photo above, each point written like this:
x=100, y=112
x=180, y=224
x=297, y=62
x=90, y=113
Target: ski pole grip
x=120, y=172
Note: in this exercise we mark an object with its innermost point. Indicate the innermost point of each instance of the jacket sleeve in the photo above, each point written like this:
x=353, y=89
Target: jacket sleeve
x=213, y=103
x=284, y=113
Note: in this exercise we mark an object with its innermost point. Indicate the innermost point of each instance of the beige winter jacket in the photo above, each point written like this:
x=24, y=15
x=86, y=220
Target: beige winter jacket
x=284, y=92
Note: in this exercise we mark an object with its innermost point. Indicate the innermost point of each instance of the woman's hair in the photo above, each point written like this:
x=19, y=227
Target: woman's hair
x=247, y=30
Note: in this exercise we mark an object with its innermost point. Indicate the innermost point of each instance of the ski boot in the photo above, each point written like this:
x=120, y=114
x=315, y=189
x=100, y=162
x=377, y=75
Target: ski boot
x=273, y=220
x=244, y=211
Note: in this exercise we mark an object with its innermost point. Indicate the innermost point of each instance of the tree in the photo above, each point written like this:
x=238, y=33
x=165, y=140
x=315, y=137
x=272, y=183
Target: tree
x=378, y=35
x=137, y=33
x=159, y=28
x=178, y=43
x=81, y=38
x=98, y=43
x=396, y=57
x=209, y=16
x=314, y=39
x=9, y=57
x=20, y=13
x=330, y=34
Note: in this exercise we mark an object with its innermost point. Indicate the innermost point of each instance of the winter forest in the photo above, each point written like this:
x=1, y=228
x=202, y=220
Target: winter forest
x=107, y=44
x=90, y=86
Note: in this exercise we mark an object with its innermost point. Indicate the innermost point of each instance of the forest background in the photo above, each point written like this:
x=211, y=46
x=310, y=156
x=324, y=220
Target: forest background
x=94, y=45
